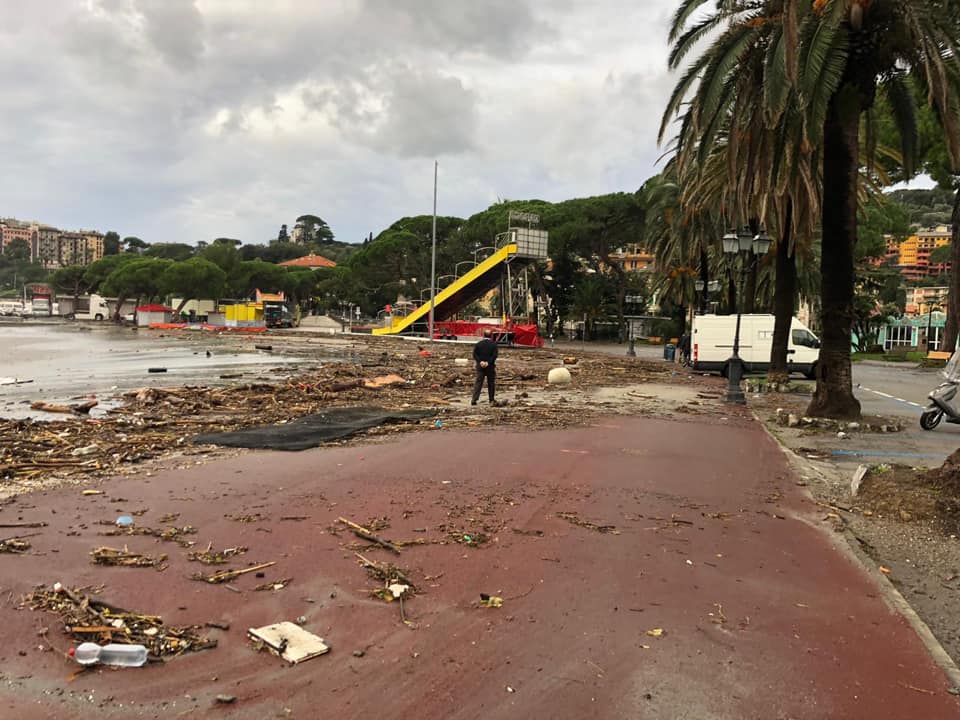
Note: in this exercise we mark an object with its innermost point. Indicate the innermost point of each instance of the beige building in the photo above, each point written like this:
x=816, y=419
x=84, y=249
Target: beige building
x=52, y=247
x=46, y=247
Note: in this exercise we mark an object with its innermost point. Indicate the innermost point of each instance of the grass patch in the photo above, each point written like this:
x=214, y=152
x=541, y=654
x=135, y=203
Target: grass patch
x=912, y=356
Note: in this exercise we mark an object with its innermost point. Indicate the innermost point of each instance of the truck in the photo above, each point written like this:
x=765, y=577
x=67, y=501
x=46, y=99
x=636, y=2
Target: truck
x=711, y=344
x=277, y=315
x=91, y=307
x=40, y=305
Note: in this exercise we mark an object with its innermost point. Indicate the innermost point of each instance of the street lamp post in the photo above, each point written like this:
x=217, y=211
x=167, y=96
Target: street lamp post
x=745, y=246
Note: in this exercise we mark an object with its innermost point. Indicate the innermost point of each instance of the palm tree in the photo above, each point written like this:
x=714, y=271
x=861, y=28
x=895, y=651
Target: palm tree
x=851, y=49
x=833, y=57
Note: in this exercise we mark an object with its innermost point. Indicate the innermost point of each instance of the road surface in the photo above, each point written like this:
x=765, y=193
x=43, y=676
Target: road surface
x=665, y=569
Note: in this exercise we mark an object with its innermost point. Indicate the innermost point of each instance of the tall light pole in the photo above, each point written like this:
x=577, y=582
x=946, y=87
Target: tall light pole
x=747, y=247
x=433, y=253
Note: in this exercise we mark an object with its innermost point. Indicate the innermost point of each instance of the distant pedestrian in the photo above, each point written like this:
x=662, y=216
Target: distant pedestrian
x=685, y=349
x=485, y=355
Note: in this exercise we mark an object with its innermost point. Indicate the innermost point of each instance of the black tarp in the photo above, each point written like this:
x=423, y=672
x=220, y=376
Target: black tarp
x=312, y=430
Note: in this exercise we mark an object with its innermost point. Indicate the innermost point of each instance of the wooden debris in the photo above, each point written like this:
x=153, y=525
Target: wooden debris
x=385, y=572
x=170, y=534
x=154, y=422
x=383, y=381
x=125, y=558
x=79, y=408
x=364, y=533
x=253, y=517
x=89, y=619
x=275, y=585
x=211, y=557
x=574, y=519
x=230, y=575
x=23, y=525
x=15, y=545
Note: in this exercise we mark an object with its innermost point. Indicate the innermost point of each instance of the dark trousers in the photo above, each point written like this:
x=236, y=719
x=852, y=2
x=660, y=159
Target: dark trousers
x=490, y=373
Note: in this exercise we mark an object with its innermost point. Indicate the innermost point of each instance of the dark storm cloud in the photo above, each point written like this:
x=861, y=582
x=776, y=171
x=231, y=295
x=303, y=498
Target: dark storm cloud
x=180, y=119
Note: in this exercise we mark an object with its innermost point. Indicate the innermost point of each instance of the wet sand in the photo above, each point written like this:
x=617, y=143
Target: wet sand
x=62, y=361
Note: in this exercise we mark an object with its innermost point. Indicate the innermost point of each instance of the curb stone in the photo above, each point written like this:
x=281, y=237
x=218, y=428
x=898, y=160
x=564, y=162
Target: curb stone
x=890, y=593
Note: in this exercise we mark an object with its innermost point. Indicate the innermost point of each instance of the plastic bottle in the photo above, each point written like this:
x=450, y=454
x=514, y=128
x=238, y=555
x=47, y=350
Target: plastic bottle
x=113, y=654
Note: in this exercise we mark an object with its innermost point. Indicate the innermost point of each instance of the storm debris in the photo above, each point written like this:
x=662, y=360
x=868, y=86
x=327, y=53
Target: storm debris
x=253, y=517
x=386, y=573
x=170, y=534
x=213, y=557
x=575, y=519
x=15, y=545
x=366, y=534
x=153, y=422
x=87, y=619
x=125, y=558
x=275, y=585
x=229, y=575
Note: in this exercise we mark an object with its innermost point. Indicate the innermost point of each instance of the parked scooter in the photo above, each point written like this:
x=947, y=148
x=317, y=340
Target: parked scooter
x=941, y=399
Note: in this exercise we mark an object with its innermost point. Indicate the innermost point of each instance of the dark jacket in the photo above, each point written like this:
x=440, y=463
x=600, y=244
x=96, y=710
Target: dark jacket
x=485, y=351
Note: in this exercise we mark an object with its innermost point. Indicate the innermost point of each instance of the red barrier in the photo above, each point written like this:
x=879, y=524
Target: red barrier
x=525, y=335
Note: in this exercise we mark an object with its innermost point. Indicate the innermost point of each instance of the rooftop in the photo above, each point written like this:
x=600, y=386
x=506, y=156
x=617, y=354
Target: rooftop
x=309, y=261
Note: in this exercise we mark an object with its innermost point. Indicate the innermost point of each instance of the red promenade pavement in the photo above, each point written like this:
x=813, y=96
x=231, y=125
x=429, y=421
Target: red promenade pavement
x=764, y=615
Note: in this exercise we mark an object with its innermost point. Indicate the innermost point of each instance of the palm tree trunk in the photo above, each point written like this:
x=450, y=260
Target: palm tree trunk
x=784, y=294
x=953, y=297
x=704, y=278
x=841, y=140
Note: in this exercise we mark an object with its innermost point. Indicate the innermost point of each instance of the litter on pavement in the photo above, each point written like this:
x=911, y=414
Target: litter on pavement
x=289, y=641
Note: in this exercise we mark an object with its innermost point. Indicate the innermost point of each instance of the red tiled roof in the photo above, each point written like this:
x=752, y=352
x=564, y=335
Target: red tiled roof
x=309, y=261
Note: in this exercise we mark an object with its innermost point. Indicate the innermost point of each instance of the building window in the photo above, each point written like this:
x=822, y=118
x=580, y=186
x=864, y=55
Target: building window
x=898, y=336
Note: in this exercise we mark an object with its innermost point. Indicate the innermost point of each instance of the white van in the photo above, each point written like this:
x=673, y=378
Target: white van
x=711, y=344
x=11, y=307
x=93, y=307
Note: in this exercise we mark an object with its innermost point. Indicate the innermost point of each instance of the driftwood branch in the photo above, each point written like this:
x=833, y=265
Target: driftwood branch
x=362, y=532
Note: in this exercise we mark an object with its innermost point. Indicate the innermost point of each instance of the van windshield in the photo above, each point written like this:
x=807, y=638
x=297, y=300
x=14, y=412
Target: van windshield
x=805, y=338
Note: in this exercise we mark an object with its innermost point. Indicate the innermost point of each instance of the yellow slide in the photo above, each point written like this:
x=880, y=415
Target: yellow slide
x=453, y=298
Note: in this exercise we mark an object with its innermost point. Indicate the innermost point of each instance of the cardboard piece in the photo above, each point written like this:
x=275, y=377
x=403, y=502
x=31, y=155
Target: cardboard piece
x=290, y=641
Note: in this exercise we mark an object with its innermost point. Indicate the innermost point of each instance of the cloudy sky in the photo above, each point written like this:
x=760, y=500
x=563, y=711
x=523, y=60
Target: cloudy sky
x=185, y=120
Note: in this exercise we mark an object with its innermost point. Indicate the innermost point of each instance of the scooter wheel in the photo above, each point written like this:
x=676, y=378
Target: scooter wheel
x=930, y=419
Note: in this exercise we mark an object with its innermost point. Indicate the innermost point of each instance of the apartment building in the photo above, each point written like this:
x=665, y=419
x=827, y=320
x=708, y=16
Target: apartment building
x=79, y=248
x=11, y=230
x=922, y=300
x=914, y=255
x=633, y=257
x=46, y=247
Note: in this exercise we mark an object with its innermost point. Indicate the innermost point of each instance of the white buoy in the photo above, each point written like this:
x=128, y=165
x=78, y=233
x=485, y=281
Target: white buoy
x=559, y=376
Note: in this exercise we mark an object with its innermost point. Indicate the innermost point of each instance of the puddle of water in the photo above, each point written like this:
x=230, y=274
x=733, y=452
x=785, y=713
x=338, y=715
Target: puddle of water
x=64, y=362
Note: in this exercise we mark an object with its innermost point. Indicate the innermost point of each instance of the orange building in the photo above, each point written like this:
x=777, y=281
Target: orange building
x=914, y=255
x=12, y=230
x=632, y=258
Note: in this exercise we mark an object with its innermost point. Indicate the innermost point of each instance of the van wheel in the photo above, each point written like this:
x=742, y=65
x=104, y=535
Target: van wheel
x=812, y=375
x=98, y=317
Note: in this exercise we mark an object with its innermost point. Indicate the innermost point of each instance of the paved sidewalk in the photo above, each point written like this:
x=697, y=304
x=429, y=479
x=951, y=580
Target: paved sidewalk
x=764, y=614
